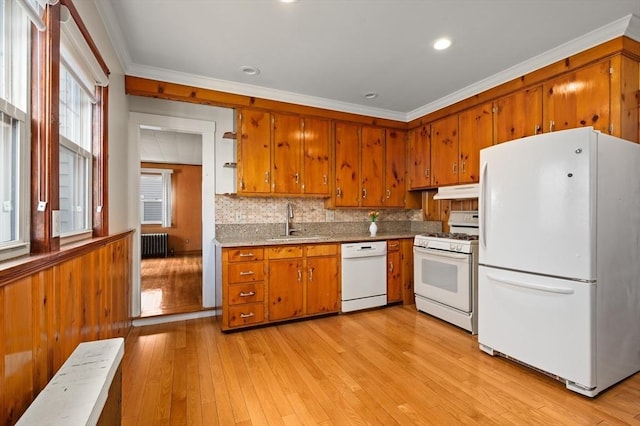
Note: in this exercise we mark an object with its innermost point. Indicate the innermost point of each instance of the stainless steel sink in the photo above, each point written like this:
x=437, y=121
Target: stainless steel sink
x=298, y=238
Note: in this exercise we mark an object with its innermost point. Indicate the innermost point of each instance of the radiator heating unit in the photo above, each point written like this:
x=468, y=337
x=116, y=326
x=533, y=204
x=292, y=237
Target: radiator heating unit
x=154, y=245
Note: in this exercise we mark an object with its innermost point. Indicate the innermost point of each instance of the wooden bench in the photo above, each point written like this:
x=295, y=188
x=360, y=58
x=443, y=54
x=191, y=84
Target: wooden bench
x=87, y=390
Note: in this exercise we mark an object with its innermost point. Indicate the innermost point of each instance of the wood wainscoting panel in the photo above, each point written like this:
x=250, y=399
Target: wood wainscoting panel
x=80, y=295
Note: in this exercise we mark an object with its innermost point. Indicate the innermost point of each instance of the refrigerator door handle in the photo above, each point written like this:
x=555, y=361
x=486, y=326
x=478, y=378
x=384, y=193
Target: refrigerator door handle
x=530, y=286
x=483, y=213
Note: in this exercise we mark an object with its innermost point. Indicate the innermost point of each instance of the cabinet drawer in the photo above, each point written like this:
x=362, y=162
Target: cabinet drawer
x=393, y=245
x=244, y=254
x=245, y=272
x=246, y=293
x=249, y=313
x=322, y=249
x=284, y=252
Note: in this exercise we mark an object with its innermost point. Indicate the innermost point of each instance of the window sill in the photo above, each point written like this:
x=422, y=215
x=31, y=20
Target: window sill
x=18, y=268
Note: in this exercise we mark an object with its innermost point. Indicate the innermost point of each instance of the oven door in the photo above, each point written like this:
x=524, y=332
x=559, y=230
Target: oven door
x=444, y=277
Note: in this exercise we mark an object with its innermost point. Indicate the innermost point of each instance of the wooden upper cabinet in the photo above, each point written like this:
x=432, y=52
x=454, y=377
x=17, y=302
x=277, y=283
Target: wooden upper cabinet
x=475, y=133
x=347, y=151
x=444, y=151
x=316, y=135
x=419, y=157
x=395, y=169
x=580, y=98
x=518, y=115
x=287, y=154
x=372, y=170
x=254, y=152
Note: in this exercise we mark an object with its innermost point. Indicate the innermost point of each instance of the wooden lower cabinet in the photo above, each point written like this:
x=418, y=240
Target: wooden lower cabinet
x=307, y=283
x=276, y=283
x=394, y=268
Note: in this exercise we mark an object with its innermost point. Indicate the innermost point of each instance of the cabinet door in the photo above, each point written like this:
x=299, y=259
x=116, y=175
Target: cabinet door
x=285, y=288
x=580, y=98
x=394, y=272
x=420, y=157
x=287, y=154
x=316, y=157
x=347, y=146
x=444, y=151
x=475, y=133
x=395, y=168
x=254, y=152
x=323, y=282
x=518, y=115
x=372, y=160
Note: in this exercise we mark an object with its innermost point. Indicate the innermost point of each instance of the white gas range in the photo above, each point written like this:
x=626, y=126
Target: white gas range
x=446, y=271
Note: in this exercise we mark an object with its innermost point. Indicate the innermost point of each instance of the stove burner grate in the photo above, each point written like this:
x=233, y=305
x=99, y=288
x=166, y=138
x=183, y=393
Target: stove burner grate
x=453, y=236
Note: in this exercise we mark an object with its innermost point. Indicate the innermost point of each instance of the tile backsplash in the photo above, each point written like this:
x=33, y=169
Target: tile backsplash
x=231, y=209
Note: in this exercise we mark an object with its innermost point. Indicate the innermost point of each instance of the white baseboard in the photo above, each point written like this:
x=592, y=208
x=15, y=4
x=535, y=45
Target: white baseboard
x=140, y=322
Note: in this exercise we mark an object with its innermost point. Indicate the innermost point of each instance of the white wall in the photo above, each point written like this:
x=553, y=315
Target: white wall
x=118, y=119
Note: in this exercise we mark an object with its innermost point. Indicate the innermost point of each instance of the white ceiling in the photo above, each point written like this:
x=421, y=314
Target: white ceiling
x=329, y=53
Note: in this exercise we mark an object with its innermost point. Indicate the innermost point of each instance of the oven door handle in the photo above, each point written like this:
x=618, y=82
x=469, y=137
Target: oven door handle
x=440, y=253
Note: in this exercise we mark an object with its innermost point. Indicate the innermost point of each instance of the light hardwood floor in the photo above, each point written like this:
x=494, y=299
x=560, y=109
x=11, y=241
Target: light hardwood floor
x=171, y=285
x=380, y=367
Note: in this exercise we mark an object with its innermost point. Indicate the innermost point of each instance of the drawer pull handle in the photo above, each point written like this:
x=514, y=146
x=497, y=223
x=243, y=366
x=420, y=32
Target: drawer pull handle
x=249, y=294
x=243, y=273
x=249, y=315
x=246, y=254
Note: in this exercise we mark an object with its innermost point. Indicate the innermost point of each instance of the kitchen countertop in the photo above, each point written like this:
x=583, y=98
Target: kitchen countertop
x=311, y=239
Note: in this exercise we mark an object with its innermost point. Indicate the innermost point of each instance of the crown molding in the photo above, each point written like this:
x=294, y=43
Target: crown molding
x=628, y=25
x=108, y=16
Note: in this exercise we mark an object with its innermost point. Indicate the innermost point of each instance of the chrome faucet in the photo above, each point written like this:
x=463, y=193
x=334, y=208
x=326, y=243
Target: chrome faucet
x=288, y=230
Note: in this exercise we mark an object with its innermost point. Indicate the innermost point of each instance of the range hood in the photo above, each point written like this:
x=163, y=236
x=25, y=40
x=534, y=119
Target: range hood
x=458, y=192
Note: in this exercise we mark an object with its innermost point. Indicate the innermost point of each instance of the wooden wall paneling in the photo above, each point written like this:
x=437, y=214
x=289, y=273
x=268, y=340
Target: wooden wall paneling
x=3, y=352
x=186, y=224
x=18, y=349
x=44, y=315
x=42, y=318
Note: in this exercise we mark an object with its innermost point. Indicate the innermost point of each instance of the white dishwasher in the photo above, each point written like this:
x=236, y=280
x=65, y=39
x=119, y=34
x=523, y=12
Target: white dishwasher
x=364, y=275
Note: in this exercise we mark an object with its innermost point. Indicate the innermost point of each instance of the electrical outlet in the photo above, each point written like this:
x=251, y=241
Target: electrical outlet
x=238, y=217
x=7, y=206
x=329, y=215
x=55, y=223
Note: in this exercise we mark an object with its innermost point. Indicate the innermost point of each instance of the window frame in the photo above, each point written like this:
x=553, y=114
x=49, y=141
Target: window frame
x=78, y=148
x=167, y=197
x=16, y=80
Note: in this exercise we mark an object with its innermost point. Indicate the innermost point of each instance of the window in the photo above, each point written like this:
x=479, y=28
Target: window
x=75, y=156
x=14, y=148
x=81, y=74
x=155, y=197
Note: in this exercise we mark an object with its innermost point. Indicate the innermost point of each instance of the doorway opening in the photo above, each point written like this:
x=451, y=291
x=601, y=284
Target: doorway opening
x=170, y=222
x=177, y=154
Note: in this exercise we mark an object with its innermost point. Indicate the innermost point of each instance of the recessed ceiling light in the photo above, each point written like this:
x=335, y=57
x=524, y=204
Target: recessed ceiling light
x=371, y=95
x=442, y=43
x=249, y=70
x=288, y=1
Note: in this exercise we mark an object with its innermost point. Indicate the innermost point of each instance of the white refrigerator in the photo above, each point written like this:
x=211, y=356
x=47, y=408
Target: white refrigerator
x=559, y=256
